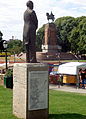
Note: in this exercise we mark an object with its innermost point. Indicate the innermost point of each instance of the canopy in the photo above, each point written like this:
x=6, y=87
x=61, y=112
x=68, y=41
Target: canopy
x=71, y=68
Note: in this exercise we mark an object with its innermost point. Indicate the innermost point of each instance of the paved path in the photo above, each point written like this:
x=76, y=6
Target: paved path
x=67, y=88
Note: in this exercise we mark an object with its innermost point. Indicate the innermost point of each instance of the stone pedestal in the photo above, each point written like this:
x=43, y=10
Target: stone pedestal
x=30, y=90
x=50, y=39
x=50, y=34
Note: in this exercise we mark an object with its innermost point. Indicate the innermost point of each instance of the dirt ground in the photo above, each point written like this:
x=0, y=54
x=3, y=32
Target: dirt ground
x=1, y=79
x=1, y=82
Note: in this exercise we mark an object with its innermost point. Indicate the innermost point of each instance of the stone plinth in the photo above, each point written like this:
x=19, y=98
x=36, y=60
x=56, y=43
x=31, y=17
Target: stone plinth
x=30, y=90
x=50, y=39
x=50, y=34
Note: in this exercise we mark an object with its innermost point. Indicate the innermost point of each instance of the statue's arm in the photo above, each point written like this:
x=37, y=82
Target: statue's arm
x=34, y=19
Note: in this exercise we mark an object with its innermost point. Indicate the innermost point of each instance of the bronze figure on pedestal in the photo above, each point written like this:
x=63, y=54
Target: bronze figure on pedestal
x=29, y=32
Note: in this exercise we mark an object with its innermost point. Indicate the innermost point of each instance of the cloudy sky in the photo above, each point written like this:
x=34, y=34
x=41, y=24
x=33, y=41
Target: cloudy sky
x=11, y=13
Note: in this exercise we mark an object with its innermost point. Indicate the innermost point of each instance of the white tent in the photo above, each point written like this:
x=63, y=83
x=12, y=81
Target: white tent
x=71, y=68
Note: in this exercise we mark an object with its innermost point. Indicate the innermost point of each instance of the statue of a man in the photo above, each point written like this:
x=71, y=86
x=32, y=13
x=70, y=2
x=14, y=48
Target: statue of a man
x=29, y=32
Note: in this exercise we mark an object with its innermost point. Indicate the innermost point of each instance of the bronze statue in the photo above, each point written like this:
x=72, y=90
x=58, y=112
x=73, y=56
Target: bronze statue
x=50, y=16
x=29, y=32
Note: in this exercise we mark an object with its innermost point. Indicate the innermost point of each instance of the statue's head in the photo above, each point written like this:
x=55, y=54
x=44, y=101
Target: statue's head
x=29, y=4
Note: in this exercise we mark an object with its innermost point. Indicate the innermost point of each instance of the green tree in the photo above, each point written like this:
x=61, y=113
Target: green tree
x=82, y=33
x=40, y=38
x=64, y=28
x=78, y=36
x=15, y=46
x=74, y=39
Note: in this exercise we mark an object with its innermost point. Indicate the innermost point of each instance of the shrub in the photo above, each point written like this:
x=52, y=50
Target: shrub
x=9, y=73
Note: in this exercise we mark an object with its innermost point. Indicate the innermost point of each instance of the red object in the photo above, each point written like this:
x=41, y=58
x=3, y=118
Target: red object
x=53, y=79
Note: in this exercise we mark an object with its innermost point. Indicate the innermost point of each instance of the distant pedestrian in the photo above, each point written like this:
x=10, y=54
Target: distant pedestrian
x=82, y=77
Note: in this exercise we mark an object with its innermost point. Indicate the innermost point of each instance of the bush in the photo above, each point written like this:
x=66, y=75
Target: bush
x=9, y=73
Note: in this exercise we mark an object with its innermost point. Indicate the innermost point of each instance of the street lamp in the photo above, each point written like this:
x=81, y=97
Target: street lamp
x=5, y=49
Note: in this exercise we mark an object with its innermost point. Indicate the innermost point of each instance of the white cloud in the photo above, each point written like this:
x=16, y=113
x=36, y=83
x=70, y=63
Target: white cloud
x=80, y=2
x=11, y=13
x=75, y=1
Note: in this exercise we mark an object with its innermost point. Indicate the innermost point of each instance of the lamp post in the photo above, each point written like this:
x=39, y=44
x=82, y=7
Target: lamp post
x=5, y=47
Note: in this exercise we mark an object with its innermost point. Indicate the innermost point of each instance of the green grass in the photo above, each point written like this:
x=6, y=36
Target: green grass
x=6, y=104
x=62, y=105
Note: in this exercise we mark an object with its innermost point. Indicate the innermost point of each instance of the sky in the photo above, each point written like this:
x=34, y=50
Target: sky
x=11, y=13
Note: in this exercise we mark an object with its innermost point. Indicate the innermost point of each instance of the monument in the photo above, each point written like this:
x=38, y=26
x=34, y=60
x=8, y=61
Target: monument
x=50, y=39
x=30, y=80
x=50, y=47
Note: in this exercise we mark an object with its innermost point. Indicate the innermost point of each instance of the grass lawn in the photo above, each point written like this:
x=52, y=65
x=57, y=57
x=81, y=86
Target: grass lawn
x=6, y=104
x=62, y=105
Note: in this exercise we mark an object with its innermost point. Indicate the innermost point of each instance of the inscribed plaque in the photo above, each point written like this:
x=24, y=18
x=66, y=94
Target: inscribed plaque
x=38, y=90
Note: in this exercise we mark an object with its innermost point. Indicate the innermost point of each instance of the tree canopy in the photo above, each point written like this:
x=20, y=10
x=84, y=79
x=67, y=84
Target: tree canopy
x=40, y=38
x=15, y=46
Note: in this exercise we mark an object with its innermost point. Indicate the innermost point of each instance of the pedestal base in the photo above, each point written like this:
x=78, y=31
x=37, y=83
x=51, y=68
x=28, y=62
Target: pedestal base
x=38, y=114
x=30, y=91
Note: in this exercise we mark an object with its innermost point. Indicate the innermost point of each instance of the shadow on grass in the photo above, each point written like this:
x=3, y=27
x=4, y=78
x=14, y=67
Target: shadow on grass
x=67, y=116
